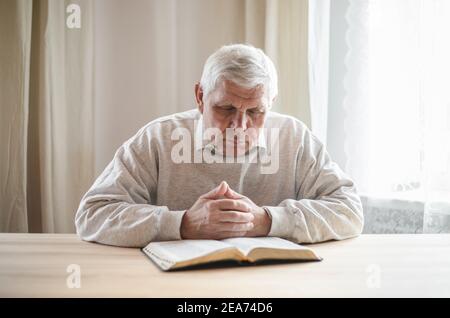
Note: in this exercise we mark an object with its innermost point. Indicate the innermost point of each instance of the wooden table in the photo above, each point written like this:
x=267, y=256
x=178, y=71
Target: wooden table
x=35, y=265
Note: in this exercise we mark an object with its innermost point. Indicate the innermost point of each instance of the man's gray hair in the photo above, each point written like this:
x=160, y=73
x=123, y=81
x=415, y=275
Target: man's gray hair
x=241, y=64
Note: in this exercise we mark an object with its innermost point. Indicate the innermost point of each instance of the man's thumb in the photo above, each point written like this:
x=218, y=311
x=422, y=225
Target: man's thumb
x=218, y=191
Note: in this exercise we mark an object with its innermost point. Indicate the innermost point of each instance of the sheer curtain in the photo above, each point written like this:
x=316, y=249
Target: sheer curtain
x=318, y=65
x=396, y=105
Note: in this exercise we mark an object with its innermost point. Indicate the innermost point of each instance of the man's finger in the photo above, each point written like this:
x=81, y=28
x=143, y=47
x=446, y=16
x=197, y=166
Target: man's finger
x=234, y=227
x=234, y=216
x=231, y=194
x=229, y=204
x=217, y=192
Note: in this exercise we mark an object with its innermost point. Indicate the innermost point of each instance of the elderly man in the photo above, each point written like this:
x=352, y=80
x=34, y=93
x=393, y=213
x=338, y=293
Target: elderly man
x=148, y=194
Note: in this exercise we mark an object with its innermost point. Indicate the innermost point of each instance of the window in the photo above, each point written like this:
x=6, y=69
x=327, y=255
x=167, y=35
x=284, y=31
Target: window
x=397, y=98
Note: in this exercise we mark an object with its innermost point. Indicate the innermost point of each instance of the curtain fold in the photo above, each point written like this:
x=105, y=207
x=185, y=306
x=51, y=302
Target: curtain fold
x=286, y=42
x=15, y=37
x=66, y=121
x=47, y=115
x=356, y=142
x=318, y=65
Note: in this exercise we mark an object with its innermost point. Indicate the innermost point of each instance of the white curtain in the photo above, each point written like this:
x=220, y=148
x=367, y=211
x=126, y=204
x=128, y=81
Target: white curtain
x=318, y=65
x=15, y=36
x=287, y=43
x=397, y=109
x=68, y=101
x=46, y=118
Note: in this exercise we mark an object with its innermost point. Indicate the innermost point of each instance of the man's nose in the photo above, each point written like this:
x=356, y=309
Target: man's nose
x=240, y=120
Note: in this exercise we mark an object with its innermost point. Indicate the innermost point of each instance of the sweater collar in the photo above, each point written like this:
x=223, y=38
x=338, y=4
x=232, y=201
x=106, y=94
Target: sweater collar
x=200, y=144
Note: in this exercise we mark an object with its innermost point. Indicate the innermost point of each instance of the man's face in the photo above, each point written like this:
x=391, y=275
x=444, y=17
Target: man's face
x=241, y=109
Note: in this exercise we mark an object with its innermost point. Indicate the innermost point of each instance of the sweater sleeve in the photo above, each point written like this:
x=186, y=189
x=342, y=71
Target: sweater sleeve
x=119, y=207
x=327, y=206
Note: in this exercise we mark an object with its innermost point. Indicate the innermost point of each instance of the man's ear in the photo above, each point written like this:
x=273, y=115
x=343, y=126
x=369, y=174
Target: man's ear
x=199, y=97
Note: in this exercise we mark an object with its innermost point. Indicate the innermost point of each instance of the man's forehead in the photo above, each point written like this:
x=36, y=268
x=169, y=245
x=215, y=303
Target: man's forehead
x=237, y=91
x=231, y=93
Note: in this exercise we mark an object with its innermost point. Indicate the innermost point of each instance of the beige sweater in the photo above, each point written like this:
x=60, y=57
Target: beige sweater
x=142, y=194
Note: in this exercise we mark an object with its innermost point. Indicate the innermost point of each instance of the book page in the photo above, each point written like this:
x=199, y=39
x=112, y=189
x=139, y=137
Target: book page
x=182, y=250
x=246, y=244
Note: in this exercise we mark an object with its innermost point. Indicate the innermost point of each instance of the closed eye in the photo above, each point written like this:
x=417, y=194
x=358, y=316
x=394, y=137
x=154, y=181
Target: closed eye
x=255, y=111
x=226, y=108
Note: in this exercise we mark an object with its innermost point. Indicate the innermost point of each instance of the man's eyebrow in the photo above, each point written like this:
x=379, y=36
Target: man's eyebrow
x=226, y=105
x=259, y=107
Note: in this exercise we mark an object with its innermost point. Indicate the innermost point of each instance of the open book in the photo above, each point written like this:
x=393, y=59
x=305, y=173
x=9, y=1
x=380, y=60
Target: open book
x=177, y=254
